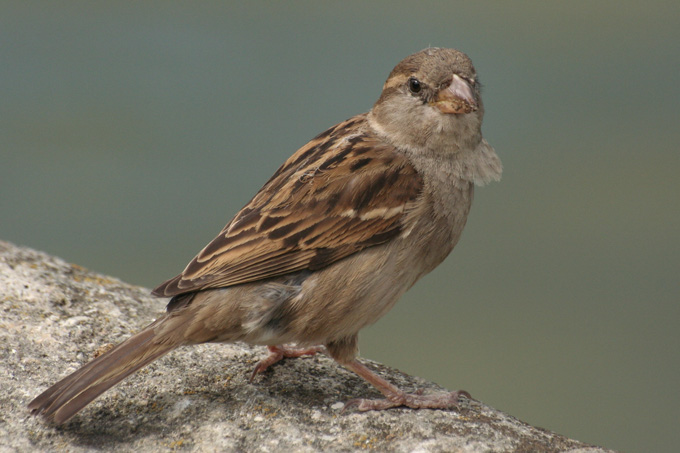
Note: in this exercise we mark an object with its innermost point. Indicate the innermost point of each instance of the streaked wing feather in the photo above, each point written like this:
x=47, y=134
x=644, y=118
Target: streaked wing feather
x=342, y=192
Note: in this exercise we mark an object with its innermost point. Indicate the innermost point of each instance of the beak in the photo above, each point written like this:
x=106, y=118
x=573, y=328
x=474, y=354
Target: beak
x=456, y=98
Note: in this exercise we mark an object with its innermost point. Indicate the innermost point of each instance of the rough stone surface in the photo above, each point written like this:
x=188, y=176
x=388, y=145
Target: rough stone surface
x=54, y=316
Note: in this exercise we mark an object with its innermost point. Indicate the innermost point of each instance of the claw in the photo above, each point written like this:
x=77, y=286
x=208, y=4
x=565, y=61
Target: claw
x=351, y=403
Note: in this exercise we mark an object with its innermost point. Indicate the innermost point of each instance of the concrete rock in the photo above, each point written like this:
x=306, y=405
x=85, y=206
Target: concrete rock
x=55, y=316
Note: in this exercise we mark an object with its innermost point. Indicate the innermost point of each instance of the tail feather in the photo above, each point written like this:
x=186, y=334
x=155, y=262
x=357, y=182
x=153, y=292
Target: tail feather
x=68, y=396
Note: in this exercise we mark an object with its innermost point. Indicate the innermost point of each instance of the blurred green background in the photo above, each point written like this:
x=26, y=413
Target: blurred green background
x=131, y=132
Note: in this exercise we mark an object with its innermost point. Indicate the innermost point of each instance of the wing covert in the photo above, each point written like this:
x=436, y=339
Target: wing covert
x=342, y=192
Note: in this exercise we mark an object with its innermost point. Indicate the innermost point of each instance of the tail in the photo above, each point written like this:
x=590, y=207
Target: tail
x=68, y=396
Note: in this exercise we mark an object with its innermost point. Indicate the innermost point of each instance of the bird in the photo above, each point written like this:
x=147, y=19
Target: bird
x=331, y=241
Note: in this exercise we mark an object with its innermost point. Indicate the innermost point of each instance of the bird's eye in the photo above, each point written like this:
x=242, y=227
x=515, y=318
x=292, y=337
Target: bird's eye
x=414, y=85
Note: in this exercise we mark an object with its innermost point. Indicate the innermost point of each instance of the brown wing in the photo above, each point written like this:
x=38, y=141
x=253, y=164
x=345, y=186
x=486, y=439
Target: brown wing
x=342, y=192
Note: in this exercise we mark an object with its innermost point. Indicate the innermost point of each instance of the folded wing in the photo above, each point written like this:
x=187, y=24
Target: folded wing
x=342, y=192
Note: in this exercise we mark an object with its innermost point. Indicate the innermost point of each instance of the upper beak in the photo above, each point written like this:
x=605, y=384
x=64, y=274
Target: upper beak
x=457, y=97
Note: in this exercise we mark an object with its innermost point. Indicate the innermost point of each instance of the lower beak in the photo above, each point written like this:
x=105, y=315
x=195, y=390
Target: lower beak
x=456, y=98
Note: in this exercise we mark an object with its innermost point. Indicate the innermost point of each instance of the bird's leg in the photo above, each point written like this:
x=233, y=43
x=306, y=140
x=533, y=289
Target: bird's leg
x=280, y=352
x=395, y=397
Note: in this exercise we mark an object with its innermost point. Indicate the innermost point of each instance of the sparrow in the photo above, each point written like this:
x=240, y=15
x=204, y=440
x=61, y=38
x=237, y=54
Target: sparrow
x=327, y=246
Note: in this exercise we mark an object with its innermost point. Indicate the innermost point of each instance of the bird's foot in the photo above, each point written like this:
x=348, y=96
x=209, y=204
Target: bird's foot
x=444, y=400
x=394, y=397
x=278, y=353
